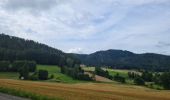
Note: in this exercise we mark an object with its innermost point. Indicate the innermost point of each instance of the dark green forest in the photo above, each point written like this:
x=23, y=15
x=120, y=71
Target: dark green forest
x=14, y=48
x=120, y=59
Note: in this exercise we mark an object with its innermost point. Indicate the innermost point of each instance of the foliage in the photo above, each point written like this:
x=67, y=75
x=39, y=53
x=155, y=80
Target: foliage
x=16, y=65
x=133, y=75
x=119, y=78
x=43, y=74
x=156, y=78
x=147, y=76
x=34, y=76
x=165, y=80
x=139, y=81
x=126, y=60
x=14, y=48
x=4, y=66
x=58, y=76
x=101, y=72
x=76, y=73
x=24, y=72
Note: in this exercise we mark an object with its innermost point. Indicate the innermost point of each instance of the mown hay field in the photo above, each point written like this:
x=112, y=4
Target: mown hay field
x=87, y=91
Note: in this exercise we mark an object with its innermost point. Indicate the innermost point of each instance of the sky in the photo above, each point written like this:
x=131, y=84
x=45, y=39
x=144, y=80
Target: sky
x=86, y=26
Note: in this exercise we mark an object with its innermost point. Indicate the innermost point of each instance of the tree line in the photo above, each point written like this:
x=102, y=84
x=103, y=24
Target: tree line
x=119, y=59
x=7, y=66
x=14, y=48
x=158, y=78
x=74, y=70
x=99, y=71
x=27, y=70
x=139, y=78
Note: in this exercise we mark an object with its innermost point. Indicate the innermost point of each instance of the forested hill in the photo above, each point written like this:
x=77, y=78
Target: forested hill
x=14, y=48
x=126, y=60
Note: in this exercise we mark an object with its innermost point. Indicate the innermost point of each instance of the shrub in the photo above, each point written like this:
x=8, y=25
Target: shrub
x=119, y=78
x=52, y=76
x=24, y=72
x=139, y=81
x=147, y=76
x=33, y=76
x=103, y=73
x=18, y=64
x=42, y=74
x=32, y=66
x=85, y=77
x=4, y=65
x=165, y=80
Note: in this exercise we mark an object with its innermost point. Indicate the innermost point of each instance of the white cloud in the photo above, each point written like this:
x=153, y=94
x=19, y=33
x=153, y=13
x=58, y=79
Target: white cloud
x=75, y=50
x=88, y=24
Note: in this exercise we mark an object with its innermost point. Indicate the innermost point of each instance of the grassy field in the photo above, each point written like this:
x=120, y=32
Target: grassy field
x=112, y=72
x=87, y=91
x=78, y=90
x=53, y=70
x=58, y=76
x=9, y=75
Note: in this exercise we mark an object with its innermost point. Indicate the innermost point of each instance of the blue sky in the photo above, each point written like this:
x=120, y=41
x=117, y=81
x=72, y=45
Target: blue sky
x=86, y=26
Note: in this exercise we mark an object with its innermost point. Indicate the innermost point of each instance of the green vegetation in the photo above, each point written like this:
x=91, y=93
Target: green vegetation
x=42, y=74
x=99, y=71
x=58, y=76
x=120, y=59
x=123, y=73
x=9, y=75
x=139, y=81
x=25, y=94
x=14, y=48
x=119, y=78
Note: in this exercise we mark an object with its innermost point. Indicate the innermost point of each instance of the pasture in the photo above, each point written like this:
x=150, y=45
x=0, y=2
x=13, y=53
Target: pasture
x=58, y=76
x=9, y=75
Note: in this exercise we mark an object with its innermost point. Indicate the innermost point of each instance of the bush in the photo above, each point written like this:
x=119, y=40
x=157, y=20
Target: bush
x=33, y=76
x=18, y=64
x=24, y=72
x=32, y=66
x=42, y=74
x=139, y=81
x=147, y=76
x=52, y=76
x=85, y=77
x=101, y=72
x=165, y=80
x=75, y=72
x=119, y=78
x=4, y=66
x=133, y=75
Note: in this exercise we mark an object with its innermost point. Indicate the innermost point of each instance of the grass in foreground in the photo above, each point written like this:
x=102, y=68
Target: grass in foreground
x=24, y=94
x=87, y=91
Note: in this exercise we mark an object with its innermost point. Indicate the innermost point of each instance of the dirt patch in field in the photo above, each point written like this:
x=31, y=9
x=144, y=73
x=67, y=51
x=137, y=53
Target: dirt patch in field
x=102, y=79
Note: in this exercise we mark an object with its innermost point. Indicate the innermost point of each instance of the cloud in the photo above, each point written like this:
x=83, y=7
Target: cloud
x=75, y=50
x=30, y=5
x=89, y=25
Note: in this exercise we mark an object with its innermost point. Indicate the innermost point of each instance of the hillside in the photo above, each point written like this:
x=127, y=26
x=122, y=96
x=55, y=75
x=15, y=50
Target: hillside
x=14, y=48
x=126, y=60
